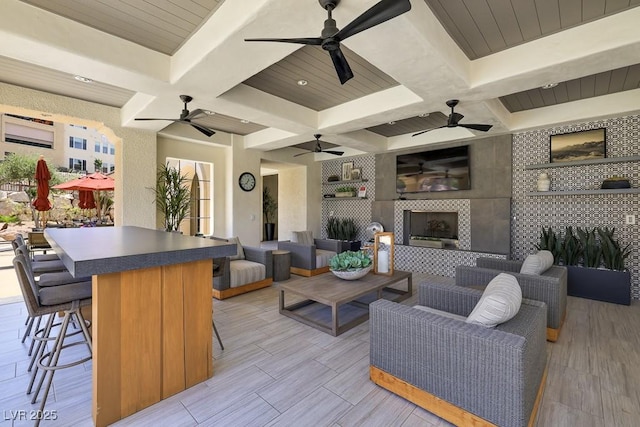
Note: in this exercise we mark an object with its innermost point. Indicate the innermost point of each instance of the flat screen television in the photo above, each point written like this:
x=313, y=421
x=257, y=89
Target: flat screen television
x=446, y=169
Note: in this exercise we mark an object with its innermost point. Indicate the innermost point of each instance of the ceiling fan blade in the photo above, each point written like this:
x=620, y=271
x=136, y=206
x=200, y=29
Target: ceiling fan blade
x=336, y=153
x=428, y=130
x=454, y=118
x=302, y=154
x=208, y=132
x=377, y=14
x=482, y=128
x=315, y=41
x=341, y=65
x=168, y=120
x=195, y=113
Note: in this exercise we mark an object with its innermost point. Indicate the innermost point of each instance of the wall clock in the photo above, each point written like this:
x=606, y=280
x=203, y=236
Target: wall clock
x=247, y=181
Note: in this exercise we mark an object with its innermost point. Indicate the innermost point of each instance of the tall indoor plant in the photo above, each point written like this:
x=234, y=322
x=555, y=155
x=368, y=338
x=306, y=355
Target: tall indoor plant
x=269, y=208
x=172, y=196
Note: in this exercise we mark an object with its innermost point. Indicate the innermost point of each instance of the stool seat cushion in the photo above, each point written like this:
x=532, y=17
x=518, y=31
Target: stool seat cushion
x=53, y=295
x=45, y=257
x=59, y=278
x=47, y=266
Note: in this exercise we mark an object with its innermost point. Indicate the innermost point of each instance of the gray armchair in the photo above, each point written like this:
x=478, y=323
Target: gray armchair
x=549, y=287
x=310, y=256
x=465, y=373
x=233, y=277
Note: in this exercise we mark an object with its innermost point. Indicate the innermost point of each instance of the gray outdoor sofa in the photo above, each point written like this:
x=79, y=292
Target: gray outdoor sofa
x=549, y=287
x=465, y=373
x=233, y=277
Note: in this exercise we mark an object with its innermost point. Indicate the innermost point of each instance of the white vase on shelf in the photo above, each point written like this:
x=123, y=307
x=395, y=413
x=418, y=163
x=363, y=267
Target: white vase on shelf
x=543, y=182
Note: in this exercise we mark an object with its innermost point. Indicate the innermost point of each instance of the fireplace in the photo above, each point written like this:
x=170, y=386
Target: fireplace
x=433, y=229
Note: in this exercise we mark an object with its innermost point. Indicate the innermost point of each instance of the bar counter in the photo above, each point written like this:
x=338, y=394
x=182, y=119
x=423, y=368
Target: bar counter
x=151, y=311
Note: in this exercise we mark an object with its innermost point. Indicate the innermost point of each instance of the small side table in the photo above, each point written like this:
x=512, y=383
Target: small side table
x=281, y=265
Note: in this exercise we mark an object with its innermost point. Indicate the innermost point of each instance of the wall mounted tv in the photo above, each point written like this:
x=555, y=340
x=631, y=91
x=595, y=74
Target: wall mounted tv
x=446, y=169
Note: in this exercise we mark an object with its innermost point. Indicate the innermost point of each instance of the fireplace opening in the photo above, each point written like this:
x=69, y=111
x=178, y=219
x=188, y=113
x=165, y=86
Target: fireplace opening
x=430, y=229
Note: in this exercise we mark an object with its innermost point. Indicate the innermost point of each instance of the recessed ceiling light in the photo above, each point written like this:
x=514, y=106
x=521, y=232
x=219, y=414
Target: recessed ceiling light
x=391, y=123
x=302, y=82
x=245, y=121
x=83, y=79
x=549, y=85
x=208, y=112
x=424, y=115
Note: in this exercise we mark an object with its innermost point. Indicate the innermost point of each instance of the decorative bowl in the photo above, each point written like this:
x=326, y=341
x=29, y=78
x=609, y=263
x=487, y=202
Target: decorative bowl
x=352, y=274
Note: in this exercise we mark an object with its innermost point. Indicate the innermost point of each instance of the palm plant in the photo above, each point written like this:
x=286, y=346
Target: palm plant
x=172, y=196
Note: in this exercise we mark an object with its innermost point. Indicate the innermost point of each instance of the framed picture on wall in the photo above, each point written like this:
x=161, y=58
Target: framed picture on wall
x=356, y=174
x=576, y=146
x=347, y=167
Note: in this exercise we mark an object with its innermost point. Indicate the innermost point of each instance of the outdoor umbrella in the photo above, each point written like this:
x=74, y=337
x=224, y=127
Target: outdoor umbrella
x=87, y=200
x=41, y=202
x=93, y=182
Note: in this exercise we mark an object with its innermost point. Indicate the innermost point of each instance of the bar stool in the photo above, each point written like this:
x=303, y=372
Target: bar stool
x=69, y=298
x=19, y=240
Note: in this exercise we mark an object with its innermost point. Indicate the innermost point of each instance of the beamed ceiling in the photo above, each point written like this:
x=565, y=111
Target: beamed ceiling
x=492, y=55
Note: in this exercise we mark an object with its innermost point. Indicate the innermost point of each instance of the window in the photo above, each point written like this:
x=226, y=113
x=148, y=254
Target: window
x=78, y=127
x=112, y=149
x=77, y=164
x=96, y=147
x=79, y=143
x=105, y=148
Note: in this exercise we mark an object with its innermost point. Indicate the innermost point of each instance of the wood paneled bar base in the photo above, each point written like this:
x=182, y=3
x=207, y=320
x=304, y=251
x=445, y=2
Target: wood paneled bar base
x=152, y=308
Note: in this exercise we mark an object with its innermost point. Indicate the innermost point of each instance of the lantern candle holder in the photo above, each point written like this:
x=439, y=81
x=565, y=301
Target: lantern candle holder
x=383, y=248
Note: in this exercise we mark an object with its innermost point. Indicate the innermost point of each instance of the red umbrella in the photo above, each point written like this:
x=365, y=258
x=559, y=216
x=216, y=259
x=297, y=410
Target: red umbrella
x=42, y=203
x=86, y=199
x=93, y=182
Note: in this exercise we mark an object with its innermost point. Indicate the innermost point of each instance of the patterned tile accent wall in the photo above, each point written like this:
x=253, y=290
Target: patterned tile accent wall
x=531, y=213
x=435, y=261
x=358, y=209
x=462, y=206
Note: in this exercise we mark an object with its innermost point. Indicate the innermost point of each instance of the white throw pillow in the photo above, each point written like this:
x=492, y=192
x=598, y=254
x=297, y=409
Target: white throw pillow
x=537, y=263
x=499, y=302
x=240, y=250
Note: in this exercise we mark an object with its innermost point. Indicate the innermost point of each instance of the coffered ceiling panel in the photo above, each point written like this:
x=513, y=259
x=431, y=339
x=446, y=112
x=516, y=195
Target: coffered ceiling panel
x=323, y=89
x=410, y=125
x=47, y=80
x=621, y=79
x=483, y=27
x=161, y=25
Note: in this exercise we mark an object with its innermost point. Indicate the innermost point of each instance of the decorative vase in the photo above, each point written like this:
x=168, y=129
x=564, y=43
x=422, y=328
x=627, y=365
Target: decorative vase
x=544, y=182
x=352, y=274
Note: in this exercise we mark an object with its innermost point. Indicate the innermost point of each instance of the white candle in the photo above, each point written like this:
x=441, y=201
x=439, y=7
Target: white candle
x=383, y=261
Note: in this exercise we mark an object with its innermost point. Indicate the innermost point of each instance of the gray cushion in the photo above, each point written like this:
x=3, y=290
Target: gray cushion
x=45, y=257
x=323, y=257
x=500, y=301
x=240, y=252
x=537, y=263
x=60, y=278
x=47, y=266
x=52, y=295
x=302, y=237
x=243, y=272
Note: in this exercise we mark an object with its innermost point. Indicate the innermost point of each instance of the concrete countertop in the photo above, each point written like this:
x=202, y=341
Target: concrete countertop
x=101, y=250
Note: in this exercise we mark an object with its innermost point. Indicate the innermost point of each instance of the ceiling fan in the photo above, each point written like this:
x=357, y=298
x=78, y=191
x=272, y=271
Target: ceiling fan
x=319, y=149
x=453, y=120
x=331, y=37
x=186, y=117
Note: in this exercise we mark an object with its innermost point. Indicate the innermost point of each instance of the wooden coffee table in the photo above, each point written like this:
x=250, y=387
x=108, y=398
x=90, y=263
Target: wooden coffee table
x=328, y=299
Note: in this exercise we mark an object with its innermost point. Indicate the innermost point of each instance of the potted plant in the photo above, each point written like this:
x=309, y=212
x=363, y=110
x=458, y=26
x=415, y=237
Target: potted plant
x=350, y=265
x=344, y=230
x=173, y=196
x=269, y=208
x=595, y=263
x=345, y=191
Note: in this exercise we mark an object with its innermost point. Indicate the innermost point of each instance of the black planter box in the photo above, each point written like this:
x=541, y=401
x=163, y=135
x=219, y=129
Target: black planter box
x=602, y=285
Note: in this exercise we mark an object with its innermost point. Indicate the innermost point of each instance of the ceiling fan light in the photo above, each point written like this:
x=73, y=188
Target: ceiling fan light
x=549, y=85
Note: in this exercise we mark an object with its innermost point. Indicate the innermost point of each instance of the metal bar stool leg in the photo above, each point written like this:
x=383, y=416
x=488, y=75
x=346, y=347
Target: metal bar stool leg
x=34, y=333
x=29, y=325
x=217, y=335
